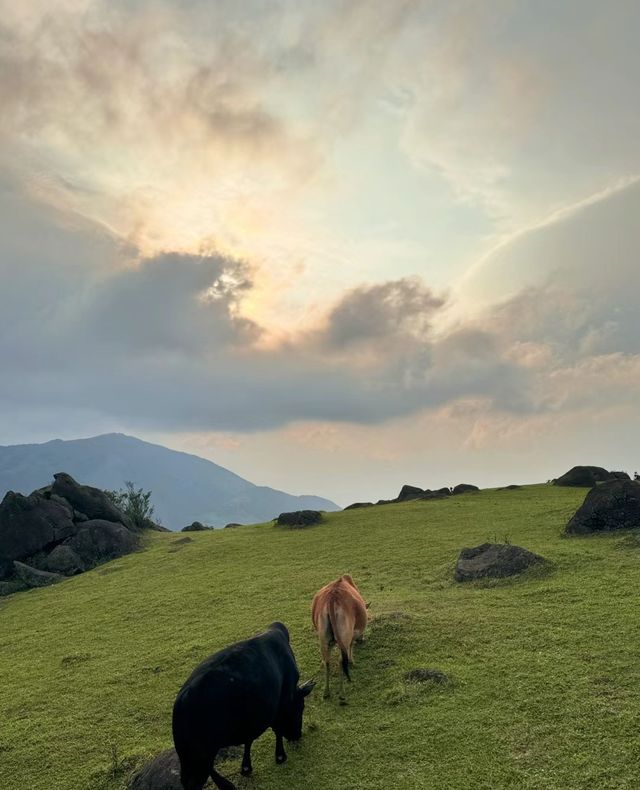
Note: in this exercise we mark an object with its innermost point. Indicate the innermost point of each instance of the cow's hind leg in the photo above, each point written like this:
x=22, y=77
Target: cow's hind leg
x=281, y=755
x=246, y=768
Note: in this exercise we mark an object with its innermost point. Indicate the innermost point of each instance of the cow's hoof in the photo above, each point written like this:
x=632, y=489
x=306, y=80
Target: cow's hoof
x=281, y=758
x=343, y=701
x=246, y=771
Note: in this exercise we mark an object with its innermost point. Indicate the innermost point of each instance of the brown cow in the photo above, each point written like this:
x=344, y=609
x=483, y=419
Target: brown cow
x=339, y=615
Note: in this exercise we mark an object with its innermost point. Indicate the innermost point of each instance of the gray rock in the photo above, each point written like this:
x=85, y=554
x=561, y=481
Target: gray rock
x=161, y=773
x=464, y=488
x=196, y=526
x=29, y=524
x=97, y=541
x=299, y=518
x=357, y=505
x=232, y=525
x=583, y=477
x=408, y=492
x=63, y=559
x=92, y=502
x=494, y=560
x=607, y=507
x=32, y=577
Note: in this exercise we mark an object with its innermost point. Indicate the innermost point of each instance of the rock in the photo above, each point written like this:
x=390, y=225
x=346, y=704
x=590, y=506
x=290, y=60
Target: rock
x=386, y=501
x=493, y=560
x=6, y=568
x=583, y=477
x=92, y=502
x=299, y=518
x=608, y=506
x=63, y=559
x=619, y=476
x=12, y=586
x=420, y=675
x=98, y=541
x=356, y=505
x=463, y=488
x=29, y=524
x=32, y=577
x=441, y=493
x=161, y=773
x=196, y=526
x=512, y=487
x=409, y=492
x=232, y=525
x=155, y=527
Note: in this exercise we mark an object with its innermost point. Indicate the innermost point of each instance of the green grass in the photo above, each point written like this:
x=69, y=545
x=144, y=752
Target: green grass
x=545, y=669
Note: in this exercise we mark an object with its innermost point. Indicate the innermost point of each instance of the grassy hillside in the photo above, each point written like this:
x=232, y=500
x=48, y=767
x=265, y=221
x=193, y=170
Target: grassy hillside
x=545, y=669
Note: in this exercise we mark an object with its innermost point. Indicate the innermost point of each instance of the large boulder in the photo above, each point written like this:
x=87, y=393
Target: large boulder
x=33, y=577
x=63, y=559
x=93, y=502
x=357, y=505
x=494, y=560
x=583, y=477
x=299, y=518
x=409, y=492
x=464, y=488
x=608, y=506
x=30, y=524
x=97, y=541
x=161, y=773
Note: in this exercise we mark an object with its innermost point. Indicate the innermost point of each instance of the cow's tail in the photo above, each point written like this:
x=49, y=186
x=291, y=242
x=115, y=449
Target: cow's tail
x=344, y=651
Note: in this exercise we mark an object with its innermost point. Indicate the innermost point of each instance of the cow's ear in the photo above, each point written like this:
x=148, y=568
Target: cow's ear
x=307, y=688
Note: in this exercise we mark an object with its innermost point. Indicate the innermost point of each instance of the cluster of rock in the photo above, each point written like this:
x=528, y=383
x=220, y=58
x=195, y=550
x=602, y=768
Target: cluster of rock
x=408, y=493
x=58, y=531
x=588, y=476
x=299, y=518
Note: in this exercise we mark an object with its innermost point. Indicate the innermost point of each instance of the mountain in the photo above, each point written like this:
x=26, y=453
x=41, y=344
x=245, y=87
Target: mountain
x=185, y=487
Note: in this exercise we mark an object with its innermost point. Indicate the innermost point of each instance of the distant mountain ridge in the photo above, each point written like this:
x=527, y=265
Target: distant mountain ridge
x=185, y=487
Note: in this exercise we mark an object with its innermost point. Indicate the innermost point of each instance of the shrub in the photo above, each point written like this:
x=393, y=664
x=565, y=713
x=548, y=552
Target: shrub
x=135, y=503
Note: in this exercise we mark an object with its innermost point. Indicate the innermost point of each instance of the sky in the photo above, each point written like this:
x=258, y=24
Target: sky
x=335, y=247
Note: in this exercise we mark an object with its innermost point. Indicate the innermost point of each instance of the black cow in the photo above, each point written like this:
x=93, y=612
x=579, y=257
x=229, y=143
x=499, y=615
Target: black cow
x=232, y=698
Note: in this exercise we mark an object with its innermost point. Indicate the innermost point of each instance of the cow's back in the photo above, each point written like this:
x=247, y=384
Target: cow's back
x=235, y=695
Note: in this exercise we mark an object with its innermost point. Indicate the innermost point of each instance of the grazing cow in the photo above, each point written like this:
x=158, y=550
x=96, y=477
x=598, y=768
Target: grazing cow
x=339, y=615
x=232, y=698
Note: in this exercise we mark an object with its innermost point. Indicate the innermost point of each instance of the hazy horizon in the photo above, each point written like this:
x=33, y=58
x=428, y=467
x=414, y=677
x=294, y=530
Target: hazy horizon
x=332, y=247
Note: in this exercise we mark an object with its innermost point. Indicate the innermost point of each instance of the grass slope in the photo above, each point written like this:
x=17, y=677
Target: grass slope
x=545, y=669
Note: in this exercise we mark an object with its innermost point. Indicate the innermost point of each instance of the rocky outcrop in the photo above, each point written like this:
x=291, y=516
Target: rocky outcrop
x=588, y=476
x=607, y=507
x=299, y=518
x=357, y=505
x=54, y=532
x=494, y=560
x=93, y=502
